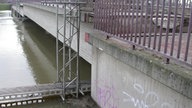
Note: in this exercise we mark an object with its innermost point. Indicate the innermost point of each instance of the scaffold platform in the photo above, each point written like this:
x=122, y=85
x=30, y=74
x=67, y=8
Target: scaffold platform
x=36, y=93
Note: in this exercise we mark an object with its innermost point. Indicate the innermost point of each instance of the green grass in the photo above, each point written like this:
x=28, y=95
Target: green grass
x=4, y=6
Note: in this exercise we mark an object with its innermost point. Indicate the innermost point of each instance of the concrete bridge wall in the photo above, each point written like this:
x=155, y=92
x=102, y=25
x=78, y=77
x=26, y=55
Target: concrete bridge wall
x=124, y=78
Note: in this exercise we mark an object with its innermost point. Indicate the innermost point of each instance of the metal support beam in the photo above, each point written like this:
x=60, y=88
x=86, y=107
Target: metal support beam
x=67, y=30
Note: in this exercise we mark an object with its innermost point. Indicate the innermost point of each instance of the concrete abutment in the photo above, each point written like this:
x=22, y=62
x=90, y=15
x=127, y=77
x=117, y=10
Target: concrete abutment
x=126, y=78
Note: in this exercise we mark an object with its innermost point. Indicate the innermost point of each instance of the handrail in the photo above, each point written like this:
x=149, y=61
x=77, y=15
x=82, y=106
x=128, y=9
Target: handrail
x=161, y=26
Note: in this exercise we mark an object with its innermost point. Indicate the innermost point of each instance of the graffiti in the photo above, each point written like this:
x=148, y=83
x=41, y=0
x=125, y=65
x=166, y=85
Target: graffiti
x=106, y=96
x=149, y=99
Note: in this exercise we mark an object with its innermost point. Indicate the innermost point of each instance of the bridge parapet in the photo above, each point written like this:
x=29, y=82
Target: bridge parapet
x=160, y=26
x=125, y=77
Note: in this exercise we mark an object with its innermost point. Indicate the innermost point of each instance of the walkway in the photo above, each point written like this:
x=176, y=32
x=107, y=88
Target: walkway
x=35, y=94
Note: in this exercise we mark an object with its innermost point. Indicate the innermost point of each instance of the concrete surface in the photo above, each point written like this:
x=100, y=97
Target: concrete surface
x=125, y=78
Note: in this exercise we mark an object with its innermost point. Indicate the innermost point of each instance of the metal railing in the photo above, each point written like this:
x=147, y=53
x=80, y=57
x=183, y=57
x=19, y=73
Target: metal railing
x=161, y=26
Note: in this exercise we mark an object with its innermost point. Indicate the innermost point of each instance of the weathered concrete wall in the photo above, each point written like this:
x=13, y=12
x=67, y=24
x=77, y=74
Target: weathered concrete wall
x=45, y=17
x=123, y=78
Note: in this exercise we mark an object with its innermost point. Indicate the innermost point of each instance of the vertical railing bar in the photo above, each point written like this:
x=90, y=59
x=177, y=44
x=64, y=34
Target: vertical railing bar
x=150, y=26
x=125, y=17
x=121, y=17
x=167, y=30
x=111, y=16
x=181, y=29
x=118, y=18
x=102, y=15
x=129, y=18
x=105, y=16
x=137, y=14
x=100, y=18
x=115, y=17
x=161, y=26
x=126, y=27
x=108, y=18
x=189, y=35
x=174, y=28
x=156, y=22
x=131, y=21
x=141, y=21
x=133, y=17
x=99, y=14
x=95, y=16
x=145, y=28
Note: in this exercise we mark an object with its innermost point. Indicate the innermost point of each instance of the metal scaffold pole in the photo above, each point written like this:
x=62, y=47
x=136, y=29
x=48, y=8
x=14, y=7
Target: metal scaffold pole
x=68, y=32
x=18, y=8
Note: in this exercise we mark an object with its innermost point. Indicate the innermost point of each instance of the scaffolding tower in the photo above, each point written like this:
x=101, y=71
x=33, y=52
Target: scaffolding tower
x=17, y=4
x=68, y=31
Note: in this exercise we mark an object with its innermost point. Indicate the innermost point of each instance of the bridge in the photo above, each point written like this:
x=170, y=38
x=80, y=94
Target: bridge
x=67, y=30
x=139, y=50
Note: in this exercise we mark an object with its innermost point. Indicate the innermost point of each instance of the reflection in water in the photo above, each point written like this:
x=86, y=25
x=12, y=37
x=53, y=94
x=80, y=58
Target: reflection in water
x=40, y=50
x=14, y=69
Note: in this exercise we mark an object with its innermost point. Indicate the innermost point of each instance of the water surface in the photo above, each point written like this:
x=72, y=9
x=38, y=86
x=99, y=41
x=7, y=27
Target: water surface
x=27, y=57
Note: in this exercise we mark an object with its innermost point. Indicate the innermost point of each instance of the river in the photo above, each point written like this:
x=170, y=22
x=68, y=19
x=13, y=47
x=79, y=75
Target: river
x=27, y=57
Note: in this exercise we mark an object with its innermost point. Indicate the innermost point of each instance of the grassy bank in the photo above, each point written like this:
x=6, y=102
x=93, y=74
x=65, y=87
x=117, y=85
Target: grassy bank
x=4, y=6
